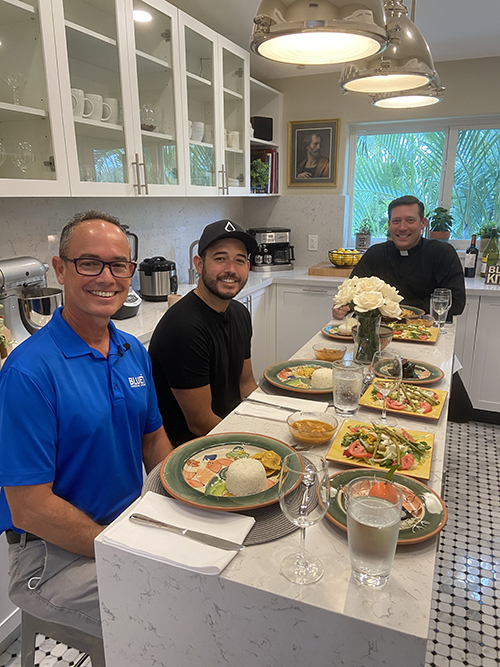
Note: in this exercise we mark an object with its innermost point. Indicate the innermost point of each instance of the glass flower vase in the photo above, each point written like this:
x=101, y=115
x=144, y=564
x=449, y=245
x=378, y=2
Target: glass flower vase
x=366, y=337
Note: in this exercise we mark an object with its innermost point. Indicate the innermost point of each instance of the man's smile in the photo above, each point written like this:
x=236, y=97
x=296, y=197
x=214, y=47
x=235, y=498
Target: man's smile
x=106, y=295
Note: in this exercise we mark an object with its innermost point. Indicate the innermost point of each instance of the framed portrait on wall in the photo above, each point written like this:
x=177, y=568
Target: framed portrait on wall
x=312, y=152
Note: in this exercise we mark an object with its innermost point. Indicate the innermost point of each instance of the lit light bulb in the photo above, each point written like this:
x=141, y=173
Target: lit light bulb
x=141, y=16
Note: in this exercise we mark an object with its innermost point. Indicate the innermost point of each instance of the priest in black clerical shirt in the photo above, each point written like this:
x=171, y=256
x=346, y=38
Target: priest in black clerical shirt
x=413, y=265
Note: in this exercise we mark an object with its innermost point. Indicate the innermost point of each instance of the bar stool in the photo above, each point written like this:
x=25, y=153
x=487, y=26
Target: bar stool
x=31, y=626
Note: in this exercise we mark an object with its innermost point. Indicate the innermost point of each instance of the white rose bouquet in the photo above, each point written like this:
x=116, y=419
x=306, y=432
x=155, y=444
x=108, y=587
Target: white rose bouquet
x=369, y=296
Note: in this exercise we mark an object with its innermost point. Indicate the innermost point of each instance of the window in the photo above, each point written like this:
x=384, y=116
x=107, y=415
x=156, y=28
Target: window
x=453, y=163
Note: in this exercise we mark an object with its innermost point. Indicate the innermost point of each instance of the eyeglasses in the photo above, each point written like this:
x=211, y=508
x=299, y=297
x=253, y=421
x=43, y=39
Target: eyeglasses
x=89, y=266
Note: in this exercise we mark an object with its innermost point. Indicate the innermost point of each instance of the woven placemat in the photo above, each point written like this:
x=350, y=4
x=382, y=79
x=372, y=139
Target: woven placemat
x=270, y=522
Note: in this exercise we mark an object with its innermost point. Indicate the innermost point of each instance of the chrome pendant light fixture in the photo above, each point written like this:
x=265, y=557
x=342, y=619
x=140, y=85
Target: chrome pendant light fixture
x=406, y=63
x=321, y=32
x=410, y=99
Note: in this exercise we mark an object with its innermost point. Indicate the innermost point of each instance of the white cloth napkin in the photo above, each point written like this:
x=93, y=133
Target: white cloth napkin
x=275, y=414
x=178, y=550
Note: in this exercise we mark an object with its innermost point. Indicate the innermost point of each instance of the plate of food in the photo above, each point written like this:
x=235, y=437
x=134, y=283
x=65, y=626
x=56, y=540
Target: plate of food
x=301, y=375
x=332, y=331
x=198, y=472
x=414, y=372
x=420, y=331
x=423, y=515
x=409, y=399
x=380, y=447
x=409, y=312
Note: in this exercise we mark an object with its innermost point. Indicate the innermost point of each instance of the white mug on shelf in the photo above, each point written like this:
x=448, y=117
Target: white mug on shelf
x=78, y=101
x=198, y=130
x=98, y=105
x=114, y=110
x=233, y=140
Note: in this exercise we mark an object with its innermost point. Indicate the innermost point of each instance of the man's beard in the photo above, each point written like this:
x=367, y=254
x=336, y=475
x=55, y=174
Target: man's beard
x=212, y=285
x=315, y=153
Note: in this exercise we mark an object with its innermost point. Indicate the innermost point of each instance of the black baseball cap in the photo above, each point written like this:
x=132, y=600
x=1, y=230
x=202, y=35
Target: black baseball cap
x=225, y=229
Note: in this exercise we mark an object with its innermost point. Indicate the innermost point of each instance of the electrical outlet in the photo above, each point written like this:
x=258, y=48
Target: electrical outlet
x=312, y=242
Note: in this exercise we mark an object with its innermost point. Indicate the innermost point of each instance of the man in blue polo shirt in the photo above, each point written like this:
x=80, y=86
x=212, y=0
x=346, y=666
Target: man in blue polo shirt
x=78, y=418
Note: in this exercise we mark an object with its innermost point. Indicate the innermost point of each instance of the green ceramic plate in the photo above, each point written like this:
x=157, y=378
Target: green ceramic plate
x=424, y=512
x=178, y=467
x=414, y=309
x=427, y=372
x=332, y=330
x=286, y=375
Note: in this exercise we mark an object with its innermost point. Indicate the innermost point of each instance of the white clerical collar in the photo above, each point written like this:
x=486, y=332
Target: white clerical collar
x=404, y=253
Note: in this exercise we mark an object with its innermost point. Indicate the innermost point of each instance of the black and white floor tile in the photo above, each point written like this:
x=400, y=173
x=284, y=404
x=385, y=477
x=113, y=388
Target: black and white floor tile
x=465, y=618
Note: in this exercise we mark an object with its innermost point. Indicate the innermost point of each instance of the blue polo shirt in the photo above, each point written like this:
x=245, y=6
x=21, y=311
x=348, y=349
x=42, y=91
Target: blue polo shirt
x=71, y=416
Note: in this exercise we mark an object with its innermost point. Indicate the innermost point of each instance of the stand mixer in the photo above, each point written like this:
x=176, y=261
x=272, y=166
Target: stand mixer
x=27, y=302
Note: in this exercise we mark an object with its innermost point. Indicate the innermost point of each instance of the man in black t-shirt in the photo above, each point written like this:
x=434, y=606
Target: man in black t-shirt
x=200, y=349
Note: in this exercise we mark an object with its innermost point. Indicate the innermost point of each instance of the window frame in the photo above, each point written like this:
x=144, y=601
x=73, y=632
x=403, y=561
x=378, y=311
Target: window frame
x=451, y=128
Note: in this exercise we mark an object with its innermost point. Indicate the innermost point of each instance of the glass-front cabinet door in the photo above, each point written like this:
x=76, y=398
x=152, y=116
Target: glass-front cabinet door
x=32, y=151
x=199, y=71
x=155, y=95
x=235, y=109
x=94, y=98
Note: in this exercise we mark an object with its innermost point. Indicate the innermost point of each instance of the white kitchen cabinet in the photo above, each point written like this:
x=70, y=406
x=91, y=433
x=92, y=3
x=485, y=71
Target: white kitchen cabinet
x=485, y=372
x=301, y=311
x=466, y=325
x=215, y=75
x=259, y=305
x=32, y=148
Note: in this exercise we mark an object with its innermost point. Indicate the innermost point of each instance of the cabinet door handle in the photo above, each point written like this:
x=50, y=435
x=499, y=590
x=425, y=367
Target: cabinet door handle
x=323, y=290
x=137, y=173
x=143, y=165
x=221, y=172
x=224, y=187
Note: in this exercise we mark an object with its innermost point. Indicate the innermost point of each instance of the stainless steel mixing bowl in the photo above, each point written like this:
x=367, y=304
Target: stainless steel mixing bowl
x=37, y=306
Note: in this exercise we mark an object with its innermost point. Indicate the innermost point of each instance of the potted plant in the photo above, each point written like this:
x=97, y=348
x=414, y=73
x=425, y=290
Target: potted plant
x=363, y=233
x=485, y=232
x=259, y=175
x=441, y=223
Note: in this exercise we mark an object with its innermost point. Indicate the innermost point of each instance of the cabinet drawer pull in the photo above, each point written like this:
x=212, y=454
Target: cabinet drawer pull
x=137, y=173
x=323, y=290
x=143, y=165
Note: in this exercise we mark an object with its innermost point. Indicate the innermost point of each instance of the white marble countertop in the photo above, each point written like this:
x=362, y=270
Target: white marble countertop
x=150, y=312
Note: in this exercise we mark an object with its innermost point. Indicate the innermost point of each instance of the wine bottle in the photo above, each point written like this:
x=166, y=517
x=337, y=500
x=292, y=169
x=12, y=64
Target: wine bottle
x=471, y=255
x=491, y=251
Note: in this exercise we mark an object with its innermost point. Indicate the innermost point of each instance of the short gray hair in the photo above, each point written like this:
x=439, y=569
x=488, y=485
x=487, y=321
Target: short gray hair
x=67, y=232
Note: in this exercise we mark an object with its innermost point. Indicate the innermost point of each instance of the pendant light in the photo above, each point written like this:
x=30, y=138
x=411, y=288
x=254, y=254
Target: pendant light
x=321, y=32
x=410, y=99
x=405, y=64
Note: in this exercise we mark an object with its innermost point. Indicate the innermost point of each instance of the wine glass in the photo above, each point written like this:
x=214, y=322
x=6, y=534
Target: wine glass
x=15, y=80
x=24, y=157
x=439, y=295
x=388, y=373
x=304, y=494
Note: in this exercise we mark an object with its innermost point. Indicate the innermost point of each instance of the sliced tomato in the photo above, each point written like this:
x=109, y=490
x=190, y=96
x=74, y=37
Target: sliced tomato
x=423, y=336
x=407, y=435
x=426, y=407
x=407, y=461
x=357, y=450
x=354, y=429
x=395, y=405
x=379, y=396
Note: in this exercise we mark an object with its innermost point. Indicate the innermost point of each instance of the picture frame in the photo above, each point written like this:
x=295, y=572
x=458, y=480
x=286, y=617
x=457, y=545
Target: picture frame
x=313, y=152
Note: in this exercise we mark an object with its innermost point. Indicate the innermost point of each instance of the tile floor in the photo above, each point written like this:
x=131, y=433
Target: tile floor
x=465, y=620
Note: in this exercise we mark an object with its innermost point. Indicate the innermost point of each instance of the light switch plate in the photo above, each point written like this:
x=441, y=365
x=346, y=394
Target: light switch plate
x=312, y=242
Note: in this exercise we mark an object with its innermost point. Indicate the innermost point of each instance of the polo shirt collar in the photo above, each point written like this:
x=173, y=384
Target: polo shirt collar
x=70, y=342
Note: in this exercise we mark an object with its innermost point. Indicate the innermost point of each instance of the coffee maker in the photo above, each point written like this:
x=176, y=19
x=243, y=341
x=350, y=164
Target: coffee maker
x=274, y=252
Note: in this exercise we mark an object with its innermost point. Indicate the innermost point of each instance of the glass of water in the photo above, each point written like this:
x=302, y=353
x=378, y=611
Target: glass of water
x=347, y=385
x=441, y=300
x=373, y=506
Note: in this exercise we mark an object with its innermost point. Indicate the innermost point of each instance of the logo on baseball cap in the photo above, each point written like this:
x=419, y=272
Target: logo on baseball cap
x=225, y=229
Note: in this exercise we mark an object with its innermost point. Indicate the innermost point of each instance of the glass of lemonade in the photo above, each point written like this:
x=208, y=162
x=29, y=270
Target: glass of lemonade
x=347, y=385
x=373, y=506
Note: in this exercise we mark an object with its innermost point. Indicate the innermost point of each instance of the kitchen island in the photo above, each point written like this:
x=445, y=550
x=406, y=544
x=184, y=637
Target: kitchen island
x=154, y=613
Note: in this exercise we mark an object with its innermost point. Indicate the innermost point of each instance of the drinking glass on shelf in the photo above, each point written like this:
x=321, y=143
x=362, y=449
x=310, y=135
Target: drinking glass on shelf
x=304, y=495
x=15, y=80
x=373, y=507
x=387, y=368
x=24, y=157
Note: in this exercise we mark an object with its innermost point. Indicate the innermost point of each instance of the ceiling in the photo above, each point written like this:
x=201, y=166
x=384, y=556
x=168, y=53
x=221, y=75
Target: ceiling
x=454, y=30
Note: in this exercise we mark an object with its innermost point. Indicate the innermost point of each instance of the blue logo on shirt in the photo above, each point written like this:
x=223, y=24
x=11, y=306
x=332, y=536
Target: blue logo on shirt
x=138, y=381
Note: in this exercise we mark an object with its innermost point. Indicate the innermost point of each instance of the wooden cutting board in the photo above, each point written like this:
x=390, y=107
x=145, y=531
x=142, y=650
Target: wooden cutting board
x=328, y=269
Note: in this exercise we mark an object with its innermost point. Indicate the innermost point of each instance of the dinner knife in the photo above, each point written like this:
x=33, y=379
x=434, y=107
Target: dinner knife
x=211, y=540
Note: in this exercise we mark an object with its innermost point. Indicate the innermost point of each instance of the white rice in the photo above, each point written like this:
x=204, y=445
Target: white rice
x=321, y=379
x=246, y=477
